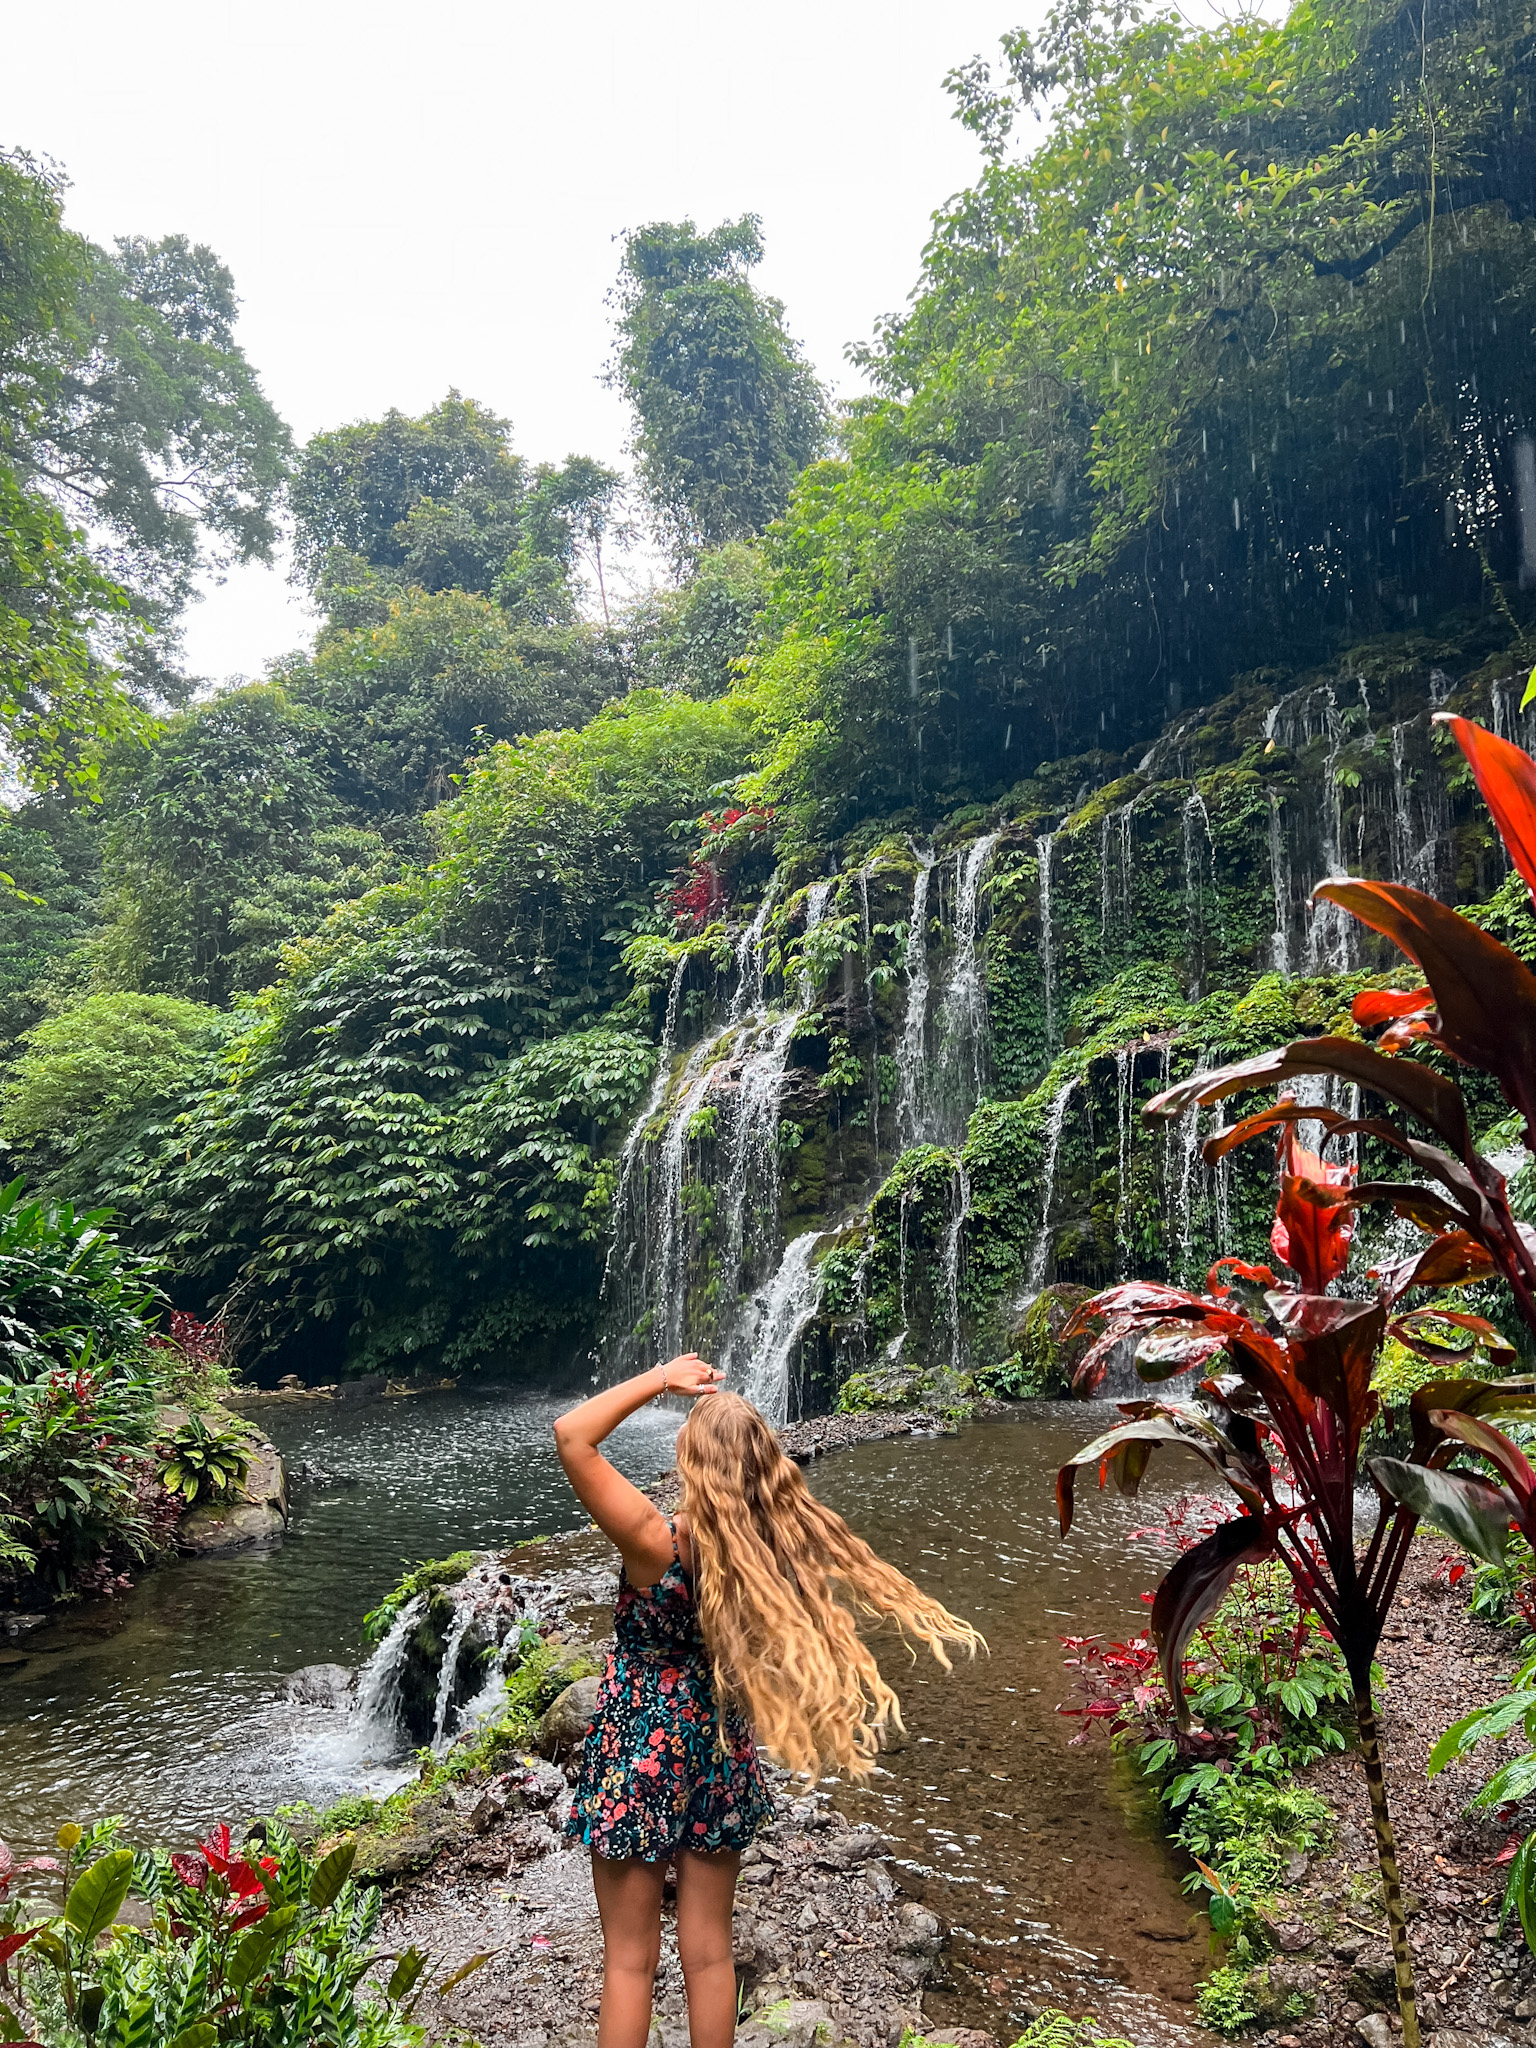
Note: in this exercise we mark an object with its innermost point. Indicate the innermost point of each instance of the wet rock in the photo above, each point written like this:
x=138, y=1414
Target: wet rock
x=1375, y=2030
x=488, y=1812
x=879, y=1880
x=920, y=1932
x=319, y=1685
x=959, y=2037
x=370, y=1387
x=1373, y=1977
x=567, y=1719
x=257, y=1514
x=791, y=2023
x=846, y=1852
x=539, y=1784
x=21, y=1624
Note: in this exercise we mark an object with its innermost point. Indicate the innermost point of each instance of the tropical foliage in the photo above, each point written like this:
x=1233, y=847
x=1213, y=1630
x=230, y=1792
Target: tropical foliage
x=1296, y=1363
x=256, y=1945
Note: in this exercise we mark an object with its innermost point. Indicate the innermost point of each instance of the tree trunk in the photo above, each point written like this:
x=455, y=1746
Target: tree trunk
x=1386, y=1856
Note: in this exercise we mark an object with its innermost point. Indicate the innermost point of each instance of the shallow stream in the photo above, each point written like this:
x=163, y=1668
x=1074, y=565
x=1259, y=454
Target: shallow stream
x=162, y=1706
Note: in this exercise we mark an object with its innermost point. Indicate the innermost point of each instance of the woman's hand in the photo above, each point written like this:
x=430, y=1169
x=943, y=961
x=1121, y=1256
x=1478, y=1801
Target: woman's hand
x=689, y=1374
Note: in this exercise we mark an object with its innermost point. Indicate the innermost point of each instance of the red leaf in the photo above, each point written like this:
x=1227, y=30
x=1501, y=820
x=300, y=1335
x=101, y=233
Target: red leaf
x=1332, y=1346
x=1507, y=778
x=9, y=1943
x=1485, y=994
x=1314, y=1221
x=1434, y=1101
x=1374, y=1007
x=190, y=1868
x=216, y=1848
x=249, y=1916
x=1259, y=1274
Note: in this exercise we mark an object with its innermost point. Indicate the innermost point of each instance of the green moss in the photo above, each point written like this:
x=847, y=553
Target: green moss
x=421, y=1578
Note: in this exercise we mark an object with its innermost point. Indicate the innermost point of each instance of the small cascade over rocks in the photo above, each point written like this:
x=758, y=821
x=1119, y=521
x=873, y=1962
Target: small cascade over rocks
x=441, y=1671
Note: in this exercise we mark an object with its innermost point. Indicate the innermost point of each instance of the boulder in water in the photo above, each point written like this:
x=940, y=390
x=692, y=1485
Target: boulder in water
x=318, y=1685
x=566, y=1721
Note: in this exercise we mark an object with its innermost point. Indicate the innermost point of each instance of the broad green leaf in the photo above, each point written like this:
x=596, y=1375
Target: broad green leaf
x=1486, y=1724
x=407, y=1970
x=258, y=1945
x=98, y=1893
x=203, y=2035
x=1516, y=1780
x=331, y=1875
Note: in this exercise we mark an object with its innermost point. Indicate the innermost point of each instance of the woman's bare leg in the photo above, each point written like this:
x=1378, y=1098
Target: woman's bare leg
x=706, y=1895
x=629, y=1905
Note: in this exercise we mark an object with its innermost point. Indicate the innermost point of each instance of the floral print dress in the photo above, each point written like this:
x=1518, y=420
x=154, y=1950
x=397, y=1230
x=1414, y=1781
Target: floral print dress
x=653, y=1777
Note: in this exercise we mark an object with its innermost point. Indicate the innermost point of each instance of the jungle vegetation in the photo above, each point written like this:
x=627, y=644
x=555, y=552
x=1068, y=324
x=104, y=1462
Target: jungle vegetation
x=335, y=985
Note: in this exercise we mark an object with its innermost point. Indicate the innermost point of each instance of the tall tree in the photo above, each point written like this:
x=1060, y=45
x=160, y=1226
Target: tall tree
x=727, y=411
x=136, y=448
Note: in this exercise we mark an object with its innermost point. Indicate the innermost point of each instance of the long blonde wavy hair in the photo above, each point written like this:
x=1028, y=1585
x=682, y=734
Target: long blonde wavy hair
x=780, y=1582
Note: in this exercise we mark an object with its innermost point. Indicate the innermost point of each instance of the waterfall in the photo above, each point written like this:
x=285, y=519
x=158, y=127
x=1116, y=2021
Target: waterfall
x=749, y=958
x=752, y=1173
x=1280, y=884
x=770, y=1330
x=910, y=1063
x=1043, y=845
x=1194, y=895
x=954, y=1245
x=1125, y=1090
x=1055, y=1118
x=962, y=1057
x=378, y=1685
x=447, y=1673
x=1331, y=933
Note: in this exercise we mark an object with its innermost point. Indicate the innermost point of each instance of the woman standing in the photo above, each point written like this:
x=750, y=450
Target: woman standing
x=735, y=1625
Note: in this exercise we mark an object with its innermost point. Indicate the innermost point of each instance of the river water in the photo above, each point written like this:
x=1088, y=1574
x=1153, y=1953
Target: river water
x=161, y=1706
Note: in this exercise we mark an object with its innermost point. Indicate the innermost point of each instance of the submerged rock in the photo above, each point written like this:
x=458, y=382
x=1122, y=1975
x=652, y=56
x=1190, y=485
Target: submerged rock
x=319, y=1685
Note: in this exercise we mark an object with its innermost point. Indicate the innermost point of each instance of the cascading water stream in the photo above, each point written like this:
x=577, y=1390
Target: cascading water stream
x=963, y=1012
x=1055, y=1119
x=447, y=1675
x=749, y=989
x=954, y=1246
x=1043, y=845
x=1125, y=1090
x=1331, y=933
x=1280, y=886
x=770, y=1330
x=377, y=1703
x=910, y=1062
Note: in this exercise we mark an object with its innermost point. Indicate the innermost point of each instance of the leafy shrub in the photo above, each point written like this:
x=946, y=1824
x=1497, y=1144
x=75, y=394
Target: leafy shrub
x=1225, y=2000
x=65, y=1281
x=90, y=1071
x=71, y=1473
x=200, y=1463
x=422, y=1578
x=266, y=1949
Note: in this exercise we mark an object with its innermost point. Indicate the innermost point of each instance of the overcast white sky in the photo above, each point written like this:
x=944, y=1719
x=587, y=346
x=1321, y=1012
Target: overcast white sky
x=412, y=198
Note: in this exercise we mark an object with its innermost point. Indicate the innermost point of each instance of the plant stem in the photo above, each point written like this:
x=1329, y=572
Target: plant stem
x=1386, y=1856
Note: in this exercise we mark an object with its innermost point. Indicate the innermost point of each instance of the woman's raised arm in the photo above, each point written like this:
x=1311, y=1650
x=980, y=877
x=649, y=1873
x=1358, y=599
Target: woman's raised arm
x=621, y=1510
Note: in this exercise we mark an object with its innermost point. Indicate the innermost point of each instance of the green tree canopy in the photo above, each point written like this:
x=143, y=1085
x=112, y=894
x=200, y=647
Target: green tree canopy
x=1235, y=360
x=726, y=410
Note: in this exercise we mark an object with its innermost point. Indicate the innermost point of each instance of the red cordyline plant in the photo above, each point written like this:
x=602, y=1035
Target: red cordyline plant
x=1286, y=1368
